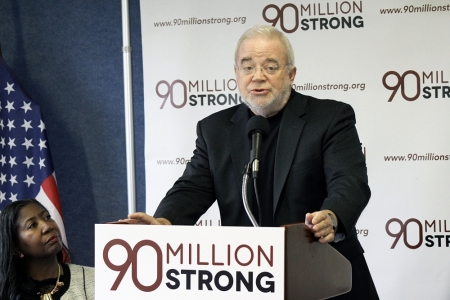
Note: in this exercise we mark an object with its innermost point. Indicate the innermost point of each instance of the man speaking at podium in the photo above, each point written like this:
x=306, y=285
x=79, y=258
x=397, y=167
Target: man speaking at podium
x=312, y=168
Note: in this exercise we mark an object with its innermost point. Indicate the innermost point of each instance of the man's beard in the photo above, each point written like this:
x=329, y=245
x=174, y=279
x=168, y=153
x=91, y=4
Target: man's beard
x=273, y=105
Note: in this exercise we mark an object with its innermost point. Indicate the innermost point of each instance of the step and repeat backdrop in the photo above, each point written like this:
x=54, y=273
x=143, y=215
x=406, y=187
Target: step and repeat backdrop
x=388, y=59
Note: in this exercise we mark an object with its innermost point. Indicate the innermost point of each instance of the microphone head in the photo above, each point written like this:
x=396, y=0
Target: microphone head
x=257, y=124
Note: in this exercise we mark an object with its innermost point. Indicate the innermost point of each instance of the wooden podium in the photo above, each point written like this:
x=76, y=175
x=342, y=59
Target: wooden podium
x=313, y=270
x=202, y=262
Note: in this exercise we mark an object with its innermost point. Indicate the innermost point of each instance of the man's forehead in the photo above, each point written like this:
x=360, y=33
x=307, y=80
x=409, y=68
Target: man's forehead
x=268, y=49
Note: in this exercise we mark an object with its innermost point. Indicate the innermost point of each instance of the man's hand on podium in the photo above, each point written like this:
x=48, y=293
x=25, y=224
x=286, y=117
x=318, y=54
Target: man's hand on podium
x=143, y=218
x=321, y=225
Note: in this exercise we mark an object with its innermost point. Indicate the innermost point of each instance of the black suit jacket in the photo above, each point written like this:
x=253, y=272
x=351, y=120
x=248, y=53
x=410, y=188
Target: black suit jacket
x=319, y=165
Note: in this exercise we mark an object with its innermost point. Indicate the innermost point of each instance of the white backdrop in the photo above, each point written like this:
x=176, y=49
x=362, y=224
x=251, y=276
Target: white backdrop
x=388, y=59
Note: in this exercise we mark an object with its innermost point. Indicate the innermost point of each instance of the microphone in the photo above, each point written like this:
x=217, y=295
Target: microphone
x=257, y=128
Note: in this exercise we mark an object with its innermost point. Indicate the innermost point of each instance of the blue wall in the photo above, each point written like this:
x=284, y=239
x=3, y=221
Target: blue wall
x=68, y=56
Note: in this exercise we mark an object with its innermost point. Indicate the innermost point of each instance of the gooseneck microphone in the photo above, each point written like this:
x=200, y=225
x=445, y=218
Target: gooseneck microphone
x=257, y=128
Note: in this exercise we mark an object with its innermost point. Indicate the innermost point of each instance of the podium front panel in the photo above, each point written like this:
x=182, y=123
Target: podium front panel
x=188, y=262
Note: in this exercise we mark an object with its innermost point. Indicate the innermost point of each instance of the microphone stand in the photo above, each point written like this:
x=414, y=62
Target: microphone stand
x=257, y=127
x=245, y=176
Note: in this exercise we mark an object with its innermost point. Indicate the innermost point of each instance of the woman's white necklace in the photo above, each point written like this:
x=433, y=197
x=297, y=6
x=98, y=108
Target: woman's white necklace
x=48, y=296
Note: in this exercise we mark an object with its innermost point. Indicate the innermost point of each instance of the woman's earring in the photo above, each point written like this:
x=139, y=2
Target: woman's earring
x=19, y=254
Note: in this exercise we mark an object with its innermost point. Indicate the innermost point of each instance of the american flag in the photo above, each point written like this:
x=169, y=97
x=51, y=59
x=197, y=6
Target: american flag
x=26, y=168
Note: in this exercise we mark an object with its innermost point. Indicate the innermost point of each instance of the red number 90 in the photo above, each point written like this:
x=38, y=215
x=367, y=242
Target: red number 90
x=280, y=16
x=403, y=231
x=401, y=84
x=132, y=260
x=170, y=92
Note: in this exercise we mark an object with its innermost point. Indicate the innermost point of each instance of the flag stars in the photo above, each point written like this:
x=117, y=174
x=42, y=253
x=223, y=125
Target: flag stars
x=29, y=180
x=28, y=161
x=12, y=161
x=41, y=163
x=11, y=143
x=42, y=144
x=10, y=124
x=13, y=180
x=28, y=143
x=10, y=106
x=24, y=147
x=9, y=87
x=27, y=125
x=42, y=126
x=13, y=197
x=3, y=178
x=26, y=106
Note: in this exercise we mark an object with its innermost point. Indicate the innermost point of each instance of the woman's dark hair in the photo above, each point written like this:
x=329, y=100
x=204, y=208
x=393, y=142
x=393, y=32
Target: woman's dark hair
x=14, y=282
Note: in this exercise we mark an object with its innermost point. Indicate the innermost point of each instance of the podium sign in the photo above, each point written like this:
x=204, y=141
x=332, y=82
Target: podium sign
x=178, y=262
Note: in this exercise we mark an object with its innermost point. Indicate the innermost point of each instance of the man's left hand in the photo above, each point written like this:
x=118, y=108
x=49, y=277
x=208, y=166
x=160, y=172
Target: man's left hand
x=321, y=225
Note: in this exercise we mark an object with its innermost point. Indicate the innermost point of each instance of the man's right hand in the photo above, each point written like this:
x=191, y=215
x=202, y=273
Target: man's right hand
x=143, y=218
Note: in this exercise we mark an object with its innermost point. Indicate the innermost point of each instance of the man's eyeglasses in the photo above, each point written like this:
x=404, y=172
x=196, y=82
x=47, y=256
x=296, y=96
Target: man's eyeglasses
x=269, y=69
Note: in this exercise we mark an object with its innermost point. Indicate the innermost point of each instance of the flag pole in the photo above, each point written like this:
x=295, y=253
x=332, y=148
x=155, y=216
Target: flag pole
x=128, y=98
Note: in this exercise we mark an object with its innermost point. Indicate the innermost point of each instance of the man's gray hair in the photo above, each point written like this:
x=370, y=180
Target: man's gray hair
x=269, y=32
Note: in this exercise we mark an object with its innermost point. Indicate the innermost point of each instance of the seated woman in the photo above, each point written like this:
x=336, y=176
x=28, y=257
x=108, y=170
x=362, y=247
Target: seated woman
x=31, y=257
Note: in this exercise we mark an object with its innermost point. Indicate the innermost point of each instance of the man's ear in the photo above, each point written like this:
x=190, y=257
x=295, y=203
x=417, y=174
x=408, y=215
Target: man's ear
x=292, y=74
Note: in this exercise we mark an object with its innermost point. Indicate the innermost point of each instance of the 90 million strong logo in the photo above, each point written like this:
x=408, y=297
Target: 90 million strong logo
x=235, y=266
x=294, y=16
x=412, y=231
x=198, y=93
x=409, y=83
